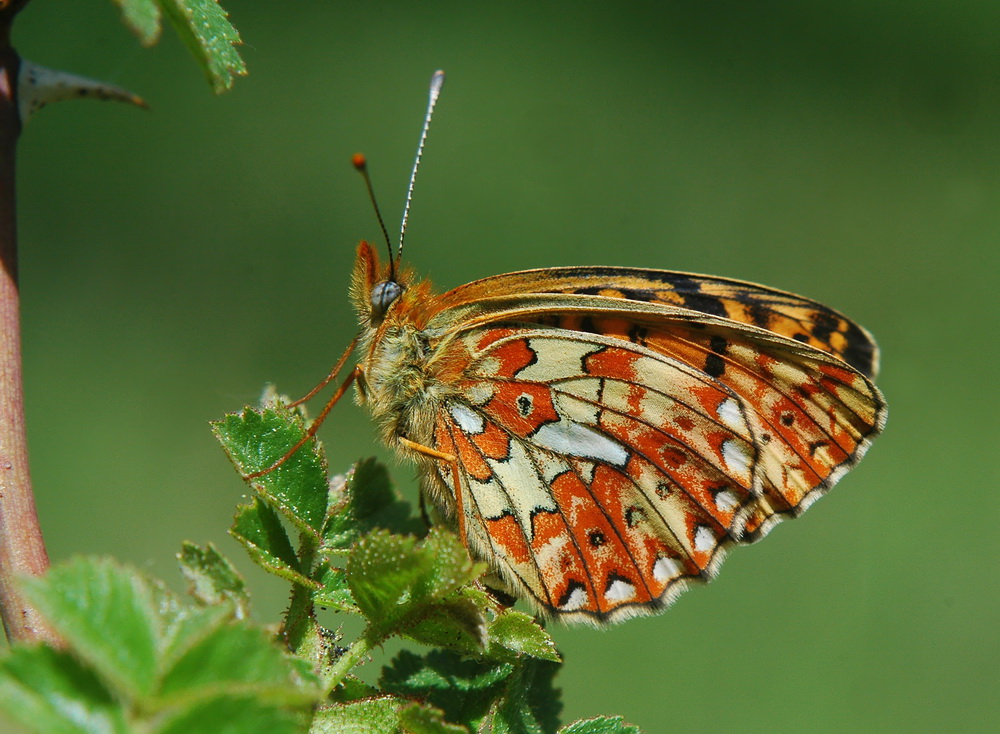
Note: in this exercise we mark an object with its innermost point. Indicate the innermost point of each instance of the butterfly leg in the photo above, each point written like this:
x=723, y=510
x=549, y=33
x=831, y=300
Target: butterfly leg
x=314, y=426
x=330, y=377
x=455, y=478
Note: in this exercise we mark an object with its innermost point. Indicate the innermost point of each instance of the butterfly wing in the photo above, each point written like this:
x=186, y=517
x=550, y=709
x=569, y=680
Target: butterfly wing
x=777, y=311
x=610, y=452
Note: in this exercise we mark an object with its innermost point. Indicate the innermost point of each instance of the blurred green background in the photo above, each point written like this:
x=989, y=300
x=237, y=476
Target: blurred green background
x=175, y=261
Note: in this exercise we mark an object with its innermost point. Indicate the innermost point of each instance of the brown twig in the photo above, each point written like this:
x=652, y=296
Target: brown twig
x=22, y=550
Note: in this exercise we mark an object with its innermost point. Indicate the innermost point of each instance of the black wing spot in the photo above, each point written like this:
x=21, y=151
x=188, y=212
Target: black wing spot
x=705, y=304
x=760, y=315
x=633, y=516
x=596, y=538
x=525, y=404
x=787, y=419
x=639, y=294
x=714, y=365
x=860, y=352
x=824, y=325
x=638, y=335
x=587, y=324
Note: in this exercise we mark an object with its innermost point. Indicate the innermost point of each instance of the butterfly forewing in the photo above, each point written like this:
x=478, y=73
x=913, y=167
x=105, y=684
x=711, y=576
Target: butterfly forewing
x=779, y=312
x=610, y=449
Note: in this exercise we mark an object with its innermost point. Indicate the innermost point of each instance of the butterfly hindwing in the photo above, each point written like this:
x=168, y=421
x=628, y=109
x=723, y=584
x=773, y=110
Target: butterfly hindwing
x=609, y=457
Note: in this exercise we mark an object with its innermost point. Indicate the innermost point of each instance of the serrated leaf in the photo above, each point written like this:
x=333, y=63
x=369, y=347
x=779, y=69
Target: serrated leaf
x=256, y=440
x=259, y=529
x=213, y=578
x=48, y=691
x=480, y=694
x=521, y=635
x=601, y=725
x=335, y=591
x=394, y=579
x=205, y=29
x=365, y=500
x=464, y=689
x=234, y=715
x=529, y=704
x=143, y=18
x=234, y=659
x=105, y=613
x=382, y=715
x=352, y=688
x=456, y=624
x=419, y=719
x=372, y=716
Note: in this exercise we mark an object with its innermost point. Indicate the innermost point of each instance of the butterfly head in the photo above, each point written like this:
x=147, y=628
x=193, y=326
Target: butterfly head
x=378, y=291
x=383, y=294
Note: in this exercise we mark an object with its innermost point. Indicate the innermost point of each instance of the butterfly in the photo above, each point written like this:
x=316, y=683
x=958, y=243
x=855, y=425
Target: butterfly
x=601, y=436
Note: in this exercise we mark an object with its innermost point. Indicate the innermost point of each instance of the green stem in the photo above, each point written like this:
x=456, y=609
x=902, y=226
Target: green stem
x=346, y=662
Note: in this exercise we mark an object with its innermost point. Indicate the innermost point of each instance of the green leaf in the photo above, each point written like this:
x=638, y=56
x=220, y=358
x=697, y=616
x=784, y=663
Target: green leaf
x=233, y=658
x=480, y=694
x=105, y=614
x=234, y=715
x=374, y=716
x=394, y=579
x=48, y=691
x=601, y=725
x=455, y=624
x=520, y=634
x=259, y=529
x=143, y=18
x=464, y=689
x=335, y=592
x=213, y=578
x=352, y=688
x=256, y=440
x=419, y=719
x=382, y=715
x=529, y=703
x=205, y=29
x=365, y=500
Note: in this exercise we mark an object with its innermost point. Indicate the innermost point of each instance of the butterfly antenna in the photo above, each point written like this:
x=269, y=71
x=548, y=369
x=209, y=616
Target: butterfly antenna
x=361, y=163
x=436, y=83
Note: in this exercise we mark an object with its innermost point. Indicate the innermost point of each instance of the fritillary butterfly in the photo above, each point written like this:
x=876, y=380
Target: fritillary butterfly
x=600, y=436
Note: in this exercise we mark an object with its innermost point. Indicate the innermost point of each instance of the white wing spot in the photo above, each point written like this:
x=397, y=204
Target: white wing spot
x=468, y=420
x=736, y=456
x=730, y=415
x=704, y=540
x=573, y=439
x=619, y=591
x=479, y=393
x=725, y=500
x=577, y=600
x=665, y=569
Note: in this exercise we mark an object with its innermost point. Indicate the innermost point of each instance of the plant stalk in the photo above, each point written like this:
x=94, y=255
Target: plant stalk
x=22, y=550
x=345, y=663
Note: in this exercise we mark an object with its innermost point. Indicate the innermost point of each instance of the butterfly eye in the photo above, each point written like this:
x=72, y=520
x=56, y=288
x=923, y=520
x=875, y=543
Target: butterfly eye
x=383, y=294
